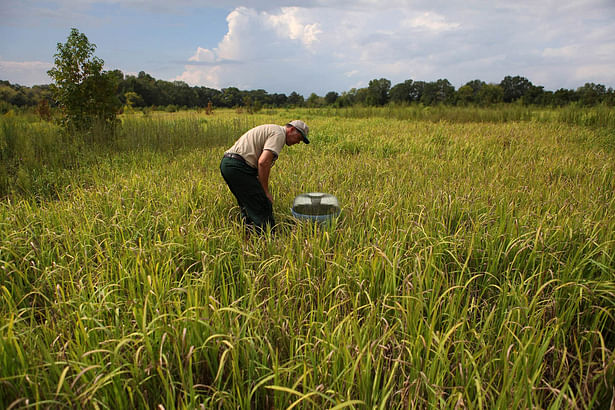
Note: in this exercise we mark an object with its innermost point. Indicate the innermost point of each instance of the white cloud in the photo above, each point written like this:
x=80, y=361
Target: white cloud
x=315, y=49
x=323, y=45
x=257, y=46
x=593, y=73
x=331, y=47
x=289, y=24
x=25, y=72
x=203, y=55
x=566, y=51
x=432, y=22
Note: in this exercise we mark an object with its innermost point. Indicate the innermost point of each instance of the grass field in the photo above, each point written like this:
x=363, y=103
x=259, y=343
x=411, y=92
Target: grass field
x=473, y=266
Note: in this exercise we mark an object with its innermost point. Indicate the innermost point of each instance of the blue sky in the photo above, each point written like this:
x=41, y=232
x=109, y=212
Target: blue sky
x=320, y=45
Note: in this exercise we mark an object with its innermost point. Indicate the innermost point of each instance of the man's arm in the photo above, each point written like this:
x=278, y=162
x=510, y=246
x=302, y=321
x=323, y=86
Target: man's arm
x=265, y=162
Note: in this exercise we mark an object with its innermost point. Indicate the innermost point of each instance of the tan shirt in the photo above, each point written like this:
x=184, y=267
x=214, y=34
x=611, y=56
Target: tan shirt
x=264, y=137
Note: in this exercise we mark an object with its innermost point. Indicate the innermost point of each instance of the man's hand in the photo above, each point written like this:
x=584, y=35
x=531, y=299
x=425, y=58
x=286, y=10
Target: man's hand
x=265, y=162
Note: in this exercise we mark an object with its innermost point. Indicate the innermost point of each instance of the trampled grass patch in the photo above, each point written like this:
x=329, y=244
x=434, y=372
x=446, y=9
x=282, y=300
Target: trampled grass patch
x=472, y=266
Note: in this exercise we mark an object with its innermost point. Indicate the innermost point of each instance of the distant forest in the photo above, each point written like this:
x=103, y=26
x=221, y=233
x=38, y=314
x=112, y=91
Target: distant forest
x=144, y=91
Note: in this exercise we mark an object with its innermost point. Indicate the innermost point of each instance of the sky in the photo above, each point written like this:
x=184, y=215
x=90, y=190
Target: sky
x=317, y=46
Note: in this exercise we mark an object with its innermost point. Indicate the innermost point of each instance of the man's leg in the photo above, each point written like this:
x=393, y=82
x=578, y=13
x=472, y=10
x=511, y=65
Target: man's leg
x=243, y=182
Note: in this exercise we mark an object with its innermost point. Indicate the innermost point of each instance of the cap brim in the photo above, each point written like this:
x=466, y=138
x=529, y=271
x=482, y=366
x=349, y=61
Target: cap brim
x=307, y=141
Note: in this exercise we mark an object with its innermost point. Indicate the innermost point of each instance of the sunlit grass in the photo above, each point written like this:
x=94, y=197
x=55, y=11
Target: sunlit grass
x=472, y=266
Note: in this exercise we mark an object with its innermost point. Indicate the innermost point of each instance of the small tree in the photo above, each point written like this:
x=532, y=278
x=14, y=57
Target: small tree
x=402, y=93
x=438, y=92
x=295, y=99
x=378, y=92
x=314, y=101
x=331, y=97
x=490, y=94
x=514, y=88
x=591, y=94
x=465, y=95
x=83, y=91
x=133, y=99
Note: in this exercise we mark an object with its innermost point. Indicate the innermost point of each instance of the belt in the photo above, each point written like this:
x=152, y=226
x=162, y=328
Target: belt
x=234, y=156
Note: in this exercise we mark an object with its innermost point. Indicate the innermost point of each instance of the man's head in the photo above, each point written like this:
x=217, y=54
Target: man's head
x=297, y=131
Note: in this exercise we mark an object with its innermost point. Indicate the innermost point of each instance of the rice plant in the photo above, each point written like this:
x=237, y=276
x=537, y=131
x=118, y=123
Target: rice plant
x=472, y=266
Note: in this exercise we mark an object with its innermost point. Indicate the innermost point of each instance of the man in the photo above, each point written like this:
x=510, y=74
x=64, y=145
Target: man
x=246, y=166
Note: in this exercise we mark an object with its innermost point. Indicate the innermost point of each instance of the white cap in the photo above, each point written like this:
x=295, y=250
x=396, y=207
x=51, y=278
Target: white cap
x=303, y=129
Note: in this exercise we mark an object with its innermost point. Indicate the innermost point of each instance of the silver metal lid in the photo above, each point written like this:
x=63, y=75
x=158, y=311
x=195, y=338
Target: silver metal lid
x=316, y=203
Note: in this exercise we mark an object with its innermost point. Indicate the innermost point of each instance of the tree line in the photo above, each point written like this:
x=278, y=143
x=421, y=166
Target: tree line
x=143, y=90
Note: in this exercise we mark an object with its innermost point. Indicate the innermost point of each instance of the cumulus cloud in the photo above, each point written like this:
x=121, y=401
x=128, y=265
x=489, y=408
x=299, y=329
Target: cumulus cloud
x=315, y=49
x=324, y=46
x=259, y=47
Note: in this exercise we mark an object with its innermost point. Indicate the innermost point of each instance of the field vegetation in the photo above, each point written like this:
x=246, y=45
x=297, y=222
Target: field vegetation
x=472, y=266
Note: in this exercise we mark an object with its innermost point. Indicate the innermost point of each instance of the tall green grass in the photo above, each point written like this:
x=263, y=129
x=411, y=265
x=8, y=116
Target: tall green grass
x=419, y=112
x=35, y=156
x=600, y=116
x=30, y=148
x=472, y=266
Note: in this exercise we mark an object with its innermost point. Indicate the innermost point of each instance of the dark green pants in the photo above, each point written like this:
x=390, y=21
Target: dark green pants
x=242, y=180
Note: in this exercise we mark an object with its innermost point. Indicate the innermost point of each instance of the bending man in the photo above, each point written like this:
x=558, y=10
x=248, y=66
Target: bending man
x=246, y=166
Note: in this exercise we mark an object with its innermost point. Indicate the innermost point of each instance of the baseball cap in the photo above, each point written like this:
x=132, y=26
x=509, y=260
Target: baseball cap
x=303, y=129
